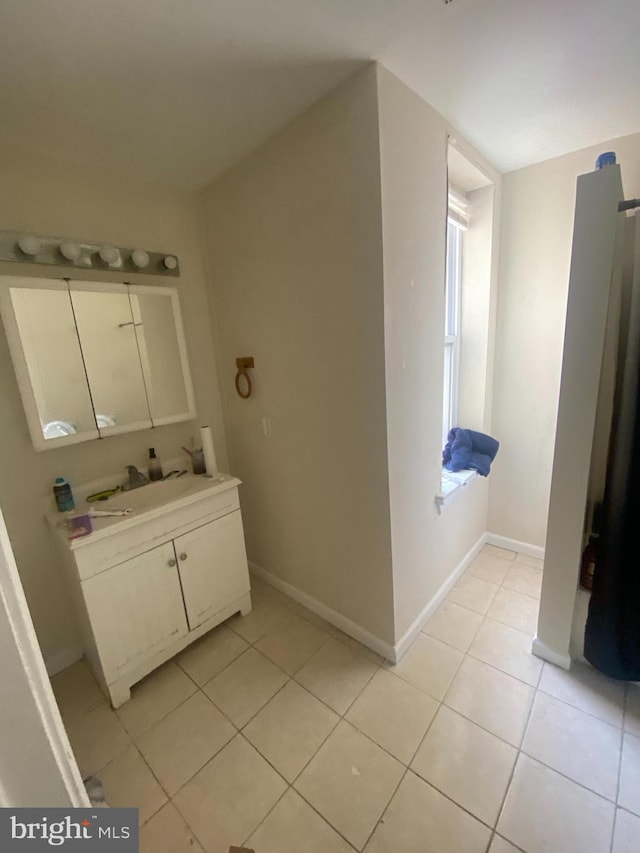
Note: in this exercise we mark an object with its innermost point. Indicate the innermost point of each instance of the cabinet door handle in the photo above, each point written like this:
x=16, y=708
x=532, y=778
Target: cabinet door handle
x=171, y=562
x=183, y=556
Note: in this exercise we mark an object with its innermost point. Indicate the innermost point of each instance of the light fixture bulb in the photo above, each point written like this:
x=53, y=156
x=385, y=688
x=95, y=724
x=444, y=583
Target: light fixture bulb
x=140, y=258
x=29, y=245
x=109, y=254
x=71, y=251
x=170, y=262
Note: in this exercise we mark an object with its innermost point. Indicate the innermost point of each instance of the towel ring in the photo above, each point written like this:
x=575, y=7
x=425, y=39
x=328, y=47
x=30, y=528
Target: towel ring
x=243, y=364
x=248, y=387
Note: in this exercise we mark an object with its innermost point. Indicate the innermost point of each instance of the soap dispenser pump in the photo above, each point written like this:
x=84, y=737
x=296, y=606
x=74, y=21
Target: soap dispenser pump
x=155, y=466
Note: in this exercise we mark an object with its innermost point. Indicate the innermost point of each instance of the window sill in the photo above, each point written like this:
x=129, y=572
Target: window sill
x=452, y=486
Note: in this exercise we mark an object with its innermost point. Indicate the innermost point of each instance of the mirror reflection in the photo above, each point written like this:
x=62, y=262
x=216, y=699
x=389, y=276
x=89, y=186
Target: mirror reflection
x=162, y=368
x=110, y=349
x=46, y=326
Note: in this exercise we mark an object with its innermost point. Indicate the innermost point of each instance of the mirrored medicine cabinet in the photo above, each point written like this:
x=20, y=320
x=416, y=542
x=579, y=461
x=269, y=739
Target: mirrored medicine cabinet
x=94, y=359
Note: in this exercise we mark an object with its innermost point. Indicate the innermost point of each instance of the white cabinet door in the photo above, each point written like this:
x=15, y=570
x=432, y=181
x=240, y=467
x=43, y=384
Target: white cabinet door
x=136, y=608
x=213, y=567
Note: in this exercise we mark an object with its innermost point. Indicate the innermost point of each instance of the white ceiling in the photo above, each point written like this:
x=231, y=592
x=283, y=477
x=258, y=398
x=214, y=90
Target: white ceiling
x=175, y=91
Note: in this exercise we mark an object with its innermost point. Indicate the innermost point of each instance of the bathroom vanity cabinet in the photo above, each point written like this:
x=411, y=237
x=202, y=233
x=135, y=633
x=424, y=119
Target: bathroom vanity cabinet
x=148, y=584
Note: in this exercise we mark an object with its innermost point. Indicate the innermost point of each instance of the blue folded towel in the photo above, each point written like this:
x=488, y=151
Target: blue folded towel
x=466, y=448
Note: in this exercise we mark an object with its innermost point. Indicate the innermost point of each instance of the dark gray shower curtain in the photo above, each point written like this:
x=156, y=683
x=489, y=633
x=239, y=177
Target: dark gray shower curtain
x=612, y=634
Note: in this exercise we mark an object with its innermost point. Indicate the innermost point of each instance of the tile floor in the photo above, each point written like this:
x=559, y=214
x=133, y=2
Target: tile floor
x=279, y=732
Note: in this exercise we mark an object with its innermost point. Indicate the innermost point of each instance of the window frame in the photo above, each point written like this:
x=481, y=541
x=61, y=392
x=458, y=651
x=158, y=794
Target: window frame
x=453, y=297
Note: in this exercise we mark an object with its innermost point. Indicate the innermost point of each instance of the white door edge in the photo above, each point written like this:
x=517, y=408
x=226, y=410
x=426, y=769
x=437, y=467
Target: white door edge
x=52, y=762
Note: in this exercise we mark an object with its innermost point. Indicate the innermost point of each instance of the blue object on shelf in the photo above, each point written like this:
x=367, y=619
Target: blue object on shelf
x=63, y=495
x=606, y=159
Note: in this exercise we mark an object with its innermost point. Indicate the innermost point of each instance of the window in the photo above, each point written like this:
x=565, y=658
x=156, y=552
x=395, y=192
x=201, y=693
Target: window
x=452, y=326
x=467, y=315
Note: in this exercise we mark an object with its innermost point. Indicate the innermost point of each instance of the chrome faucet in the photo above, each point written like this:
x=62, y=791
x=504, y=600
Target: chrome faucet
x=136, y=479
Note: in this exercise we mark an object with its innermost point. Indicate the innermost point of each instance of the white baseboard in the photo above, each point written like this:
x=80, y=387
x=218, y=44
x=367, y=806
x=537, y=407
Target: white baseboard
x=392, y=653
x=327, y=613
x=545, y=652
x=407, y=639
x=61, y=660
x=515, y=545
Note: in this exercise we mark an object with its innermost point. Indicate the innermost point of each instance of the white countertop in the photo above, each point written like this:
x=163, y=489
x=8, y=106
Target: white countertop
x=146, y=502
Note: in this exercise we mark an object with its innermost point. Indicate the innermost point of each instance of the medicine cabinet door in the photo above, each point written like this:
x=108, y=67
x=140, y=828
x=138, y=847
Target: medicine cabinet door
x=163, y=354
x=45, y=349
x=110, y=349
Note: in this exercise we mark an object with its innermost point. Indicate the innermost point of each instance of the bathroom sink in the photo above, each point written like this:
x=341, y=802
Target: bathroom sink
x=156, y=494
x=156, y=504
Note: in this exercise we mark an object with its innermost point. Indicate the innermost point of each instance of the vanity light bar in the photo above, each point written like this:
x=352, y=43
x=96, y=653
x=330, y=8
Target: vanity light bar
x=63, y=252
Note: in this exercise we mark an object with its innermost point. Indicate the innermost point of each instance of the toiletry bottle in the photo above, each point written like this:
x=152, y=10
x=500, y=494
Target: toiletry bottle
x=63, y=495
x=155, y=467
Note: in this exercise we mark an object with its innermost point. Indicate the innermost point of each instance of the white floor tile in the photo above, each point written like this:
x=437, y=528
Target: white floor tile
x=290, y=729
x=356, y=646
x=266, y=613
x=336, y=675
x=353, y=791
x=497, y=551
x=350, y=781
x=499, y=845
x=96, y=738
x=489, y=568
x=180, y=744
x=546, y=812
x=209, y=655
x=626, y=836
x=291, y=643
x=454, y=625
x=226, y=801
x=393, y=713
x=429, y=665
x=245, y=686
x=419, y=819
x=294, y=827
x=128, y=783
x=153, y=698
x=587, y=689
x=515, y=609
x=575, y=744
x=629, y=796
x=466, y=763
x=492, y=699
x=525, y=579
x=473, y=593
x=534, y=562
x=506, y=649
x=167, y=832
x=76, y=690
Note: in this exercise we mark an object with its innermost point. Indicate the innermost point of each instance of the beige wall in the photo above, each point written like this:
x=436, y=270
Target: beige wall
x=427, y=547
x=50, y=198
x=294, y=238
x=327, y=263
x=537, y=216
